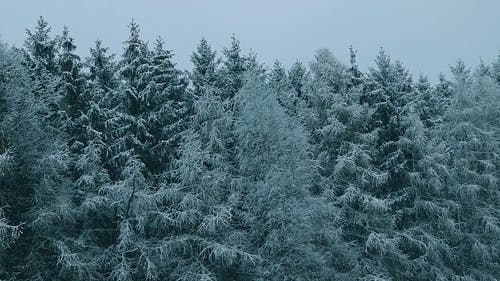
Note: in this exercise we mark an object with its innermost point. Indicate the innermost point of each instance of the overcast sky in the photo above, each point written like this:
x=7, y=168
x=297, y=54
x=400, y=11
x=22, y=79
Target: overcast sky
x=427, y=36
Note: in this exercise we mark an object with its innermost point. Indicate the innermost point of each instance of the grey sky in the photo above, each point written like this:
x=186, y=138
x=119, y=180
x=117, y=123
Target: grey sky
x=426, y=35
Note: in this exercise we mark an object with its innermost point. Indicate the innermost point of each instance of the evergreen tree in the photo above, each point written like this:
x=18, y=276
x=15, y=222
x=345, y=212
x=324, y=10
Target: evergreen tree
x=278, y=78
x=276, y=171
x=298, y=77
x=41, y=60
x=72, y=81
x=42, y=49
x=205, y=69
x=427, y=102
x=495, y=69
x=165, y=106
x=389, y=91
x=134, y=63
x=101, y=67
x=233, y=69
x=206, y=199
x=137, y=171
x=355, y=74
x=281, y=86
x=329, y=79
x=10, y=195
x=469, y=129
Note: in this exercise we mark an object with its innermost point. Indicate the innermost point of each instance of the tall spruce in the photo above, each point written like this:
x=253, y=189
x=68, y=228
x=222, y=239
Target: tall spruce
x=233, y=68
x=205, y=67
x=275, y=176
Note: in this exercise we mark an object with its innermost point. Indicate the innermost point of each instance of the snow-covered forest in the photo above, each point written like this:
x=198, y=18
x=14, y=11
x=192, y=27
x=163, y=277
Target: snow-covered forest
x=124, y=167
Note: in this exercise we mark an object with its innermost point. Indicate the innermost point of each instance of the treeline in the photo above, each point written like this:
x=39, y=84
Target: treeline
x=131, y=169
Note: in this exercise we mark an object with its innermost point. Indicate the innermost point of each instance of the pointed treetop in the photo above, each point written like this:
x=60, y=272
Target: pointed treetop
x=252, y=63
x=42, y=48
x=100, y=64
x=233, y=54
x=483, y=70
x=278, y=72
x=278, y=66
x=203, y=53
x=460, y=72
x=134, y=30
x=353, y=53
x=423, y=83
x=42, y=26
x=159, y=50
x=297, y=69
x=159, y=44
x=354, y=68
x=99, y=52
x=235, y=43
x=205, y=66
x=495, y=68
x=133, y=44
x=297, y=75
x=40, y=34
x=383, y=61
x=66, y=41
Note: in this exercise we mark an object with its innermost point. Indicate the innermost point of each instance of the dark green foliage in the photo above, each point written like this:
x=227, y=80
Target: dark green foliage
x=233, y=69
x=205, y=67
x=135, y=170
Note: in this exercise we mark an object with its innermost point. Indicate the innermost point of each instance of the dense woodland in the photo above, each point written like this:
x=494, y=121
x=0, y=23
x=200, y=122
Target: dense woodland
x=127, y=168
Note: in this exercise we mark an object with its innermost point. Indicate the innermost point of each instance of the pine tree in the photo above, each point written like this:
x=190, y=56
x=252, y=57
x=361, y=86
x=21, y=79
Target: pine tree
x=278, y=78
x=205, y=172
x=330, y=78
x=298, y=77
x=356, y=76
x=469, y=128
x=165, y=106
x=495, y=69
x=233, y=69
x=11, y=193
x=276, y=171
x=42, y=48
x=348, y=176
x=388, y=91
x=281, y=86
x=41, y=61
x=327, y=68
x=101, y=79
x=134, y=63
x=205, y=70
x=72, y=81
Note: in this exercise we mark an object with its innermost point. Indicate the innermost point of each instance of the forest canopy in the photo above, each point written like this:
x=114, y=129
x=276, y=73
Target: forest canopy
x=124, y=167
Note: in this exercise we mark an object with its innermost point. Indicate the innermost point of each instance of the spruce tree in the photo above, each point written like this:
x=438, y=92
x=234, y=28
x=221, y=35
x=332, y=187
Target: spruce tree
x=165, y=107
x=233, y=69
x=469, y=128
x=205, y=69
x=495, y=69
x=276, y=170
x=11, y=193
x=72, y=81
x=134, y=63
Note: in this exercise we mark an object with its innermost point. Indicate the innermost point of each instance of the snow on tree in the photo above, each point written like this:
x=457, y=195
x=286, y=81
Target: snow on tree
x=72, y=81
x=206, y=67
x=470, y=130
x=165, y=106
x=135, y=61
x=285, y=91
x=135, y=170
x=276, y=171
x=233, y=68
x=9, y=230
